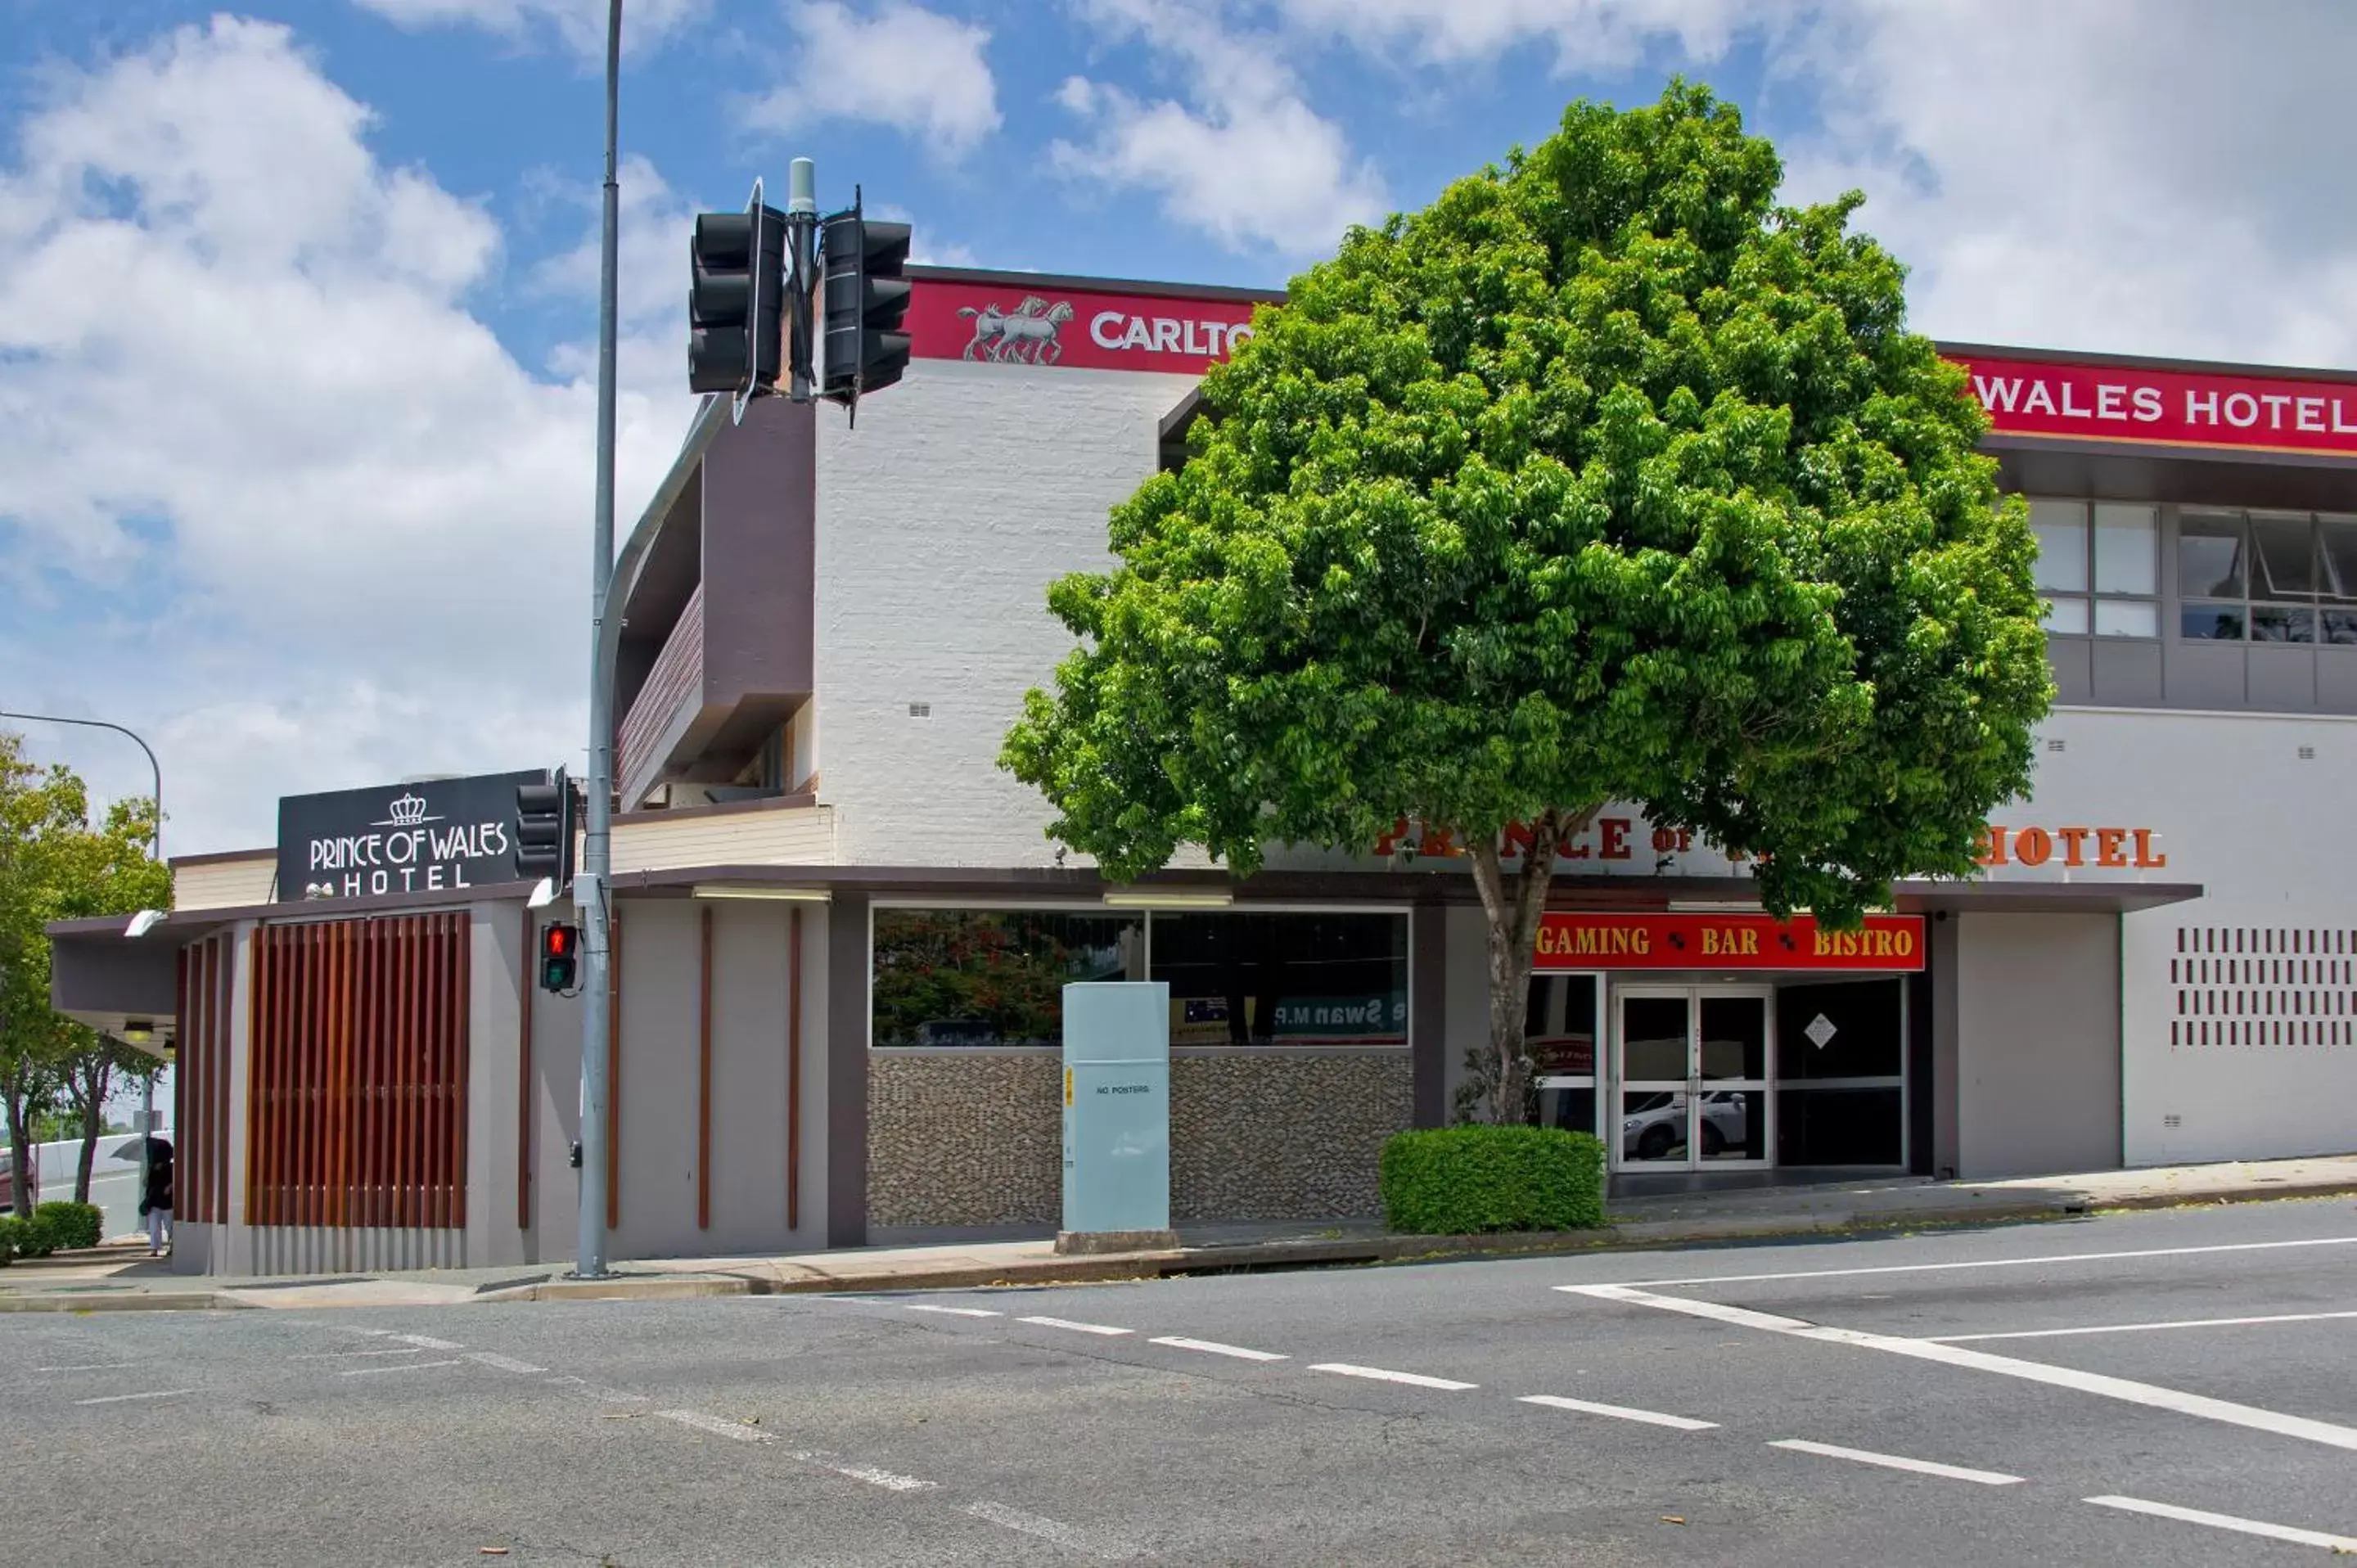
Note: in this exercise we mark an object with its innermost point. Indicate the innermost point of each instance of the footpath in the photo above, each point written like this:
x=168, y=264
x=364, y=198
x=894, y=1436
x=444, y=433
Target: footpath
x=123, y=1277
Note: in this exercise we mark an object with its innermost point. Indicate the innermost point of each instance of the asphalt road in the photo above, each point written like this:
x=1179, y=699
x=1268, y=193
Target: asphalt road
x=1957, y=1398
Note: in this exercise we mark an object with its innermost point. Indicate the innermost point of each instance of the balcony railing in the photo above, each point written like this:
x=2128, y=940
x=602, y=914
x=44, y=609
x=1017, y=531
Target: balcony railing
x=675, y=679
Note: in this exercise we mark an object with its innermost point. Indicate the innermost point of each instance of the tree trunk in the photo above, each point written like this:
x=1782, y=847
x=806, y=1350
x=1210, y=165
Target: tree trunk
x=20, y=1151
x=1514, y=905
x=94, y=1123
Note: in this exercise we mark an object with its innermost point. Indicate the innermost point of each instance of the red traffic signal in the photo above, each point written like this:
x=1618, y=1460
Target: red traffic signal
x=560, y=948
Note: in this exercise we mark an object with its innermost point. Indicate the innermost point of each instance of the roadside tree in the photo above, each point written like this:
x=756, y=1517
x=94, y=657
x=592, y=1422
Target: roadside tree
x=1603, y=479
x=56, y=864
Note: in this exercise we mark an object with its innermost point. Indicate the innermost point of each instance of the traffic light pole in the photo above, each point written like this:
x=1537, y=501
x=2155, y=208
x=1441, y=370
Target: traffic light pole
x=589, y=886
x=801, y=235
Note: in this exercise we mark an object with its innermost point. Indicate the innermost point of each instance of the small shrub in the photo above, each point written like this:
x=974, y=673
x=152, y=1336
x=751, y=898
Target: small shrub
x=72, y=1224
x=1458, y=1181
x=30, y=1238
x=7, y=1239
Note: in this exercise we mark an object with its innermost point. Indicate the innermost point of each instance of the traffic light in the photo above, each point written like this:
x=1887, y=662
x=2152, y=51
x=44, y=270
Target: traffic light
x=736, y=295
x=560, y=949
x=865, y=298
x=543, y=832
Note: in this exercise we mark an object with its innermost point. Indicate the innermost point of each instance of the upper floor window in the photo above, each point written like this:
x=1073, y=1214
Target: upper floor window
x=2099, y=566
x=2267, y=576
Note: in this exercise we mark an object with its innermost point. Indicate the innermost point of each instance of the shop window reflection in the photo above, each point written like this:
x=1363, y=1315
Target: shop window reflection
x=990, y=978
x=1283, y=979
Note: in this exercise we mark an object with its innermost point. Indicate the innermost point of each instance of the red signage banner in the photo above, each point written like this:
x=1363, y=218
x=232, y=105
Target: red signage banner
x=1018, y=323
x=1732, y=942
x=2180, y=408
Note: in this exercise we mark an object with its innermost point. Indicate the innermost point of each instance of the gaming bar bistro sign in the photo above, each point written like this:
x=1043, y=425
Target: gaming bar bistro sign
x=437, y=835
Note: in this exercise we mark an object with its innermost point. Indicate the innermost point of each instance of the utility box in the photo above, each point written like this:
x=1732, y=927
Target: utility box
x=1116, y=1117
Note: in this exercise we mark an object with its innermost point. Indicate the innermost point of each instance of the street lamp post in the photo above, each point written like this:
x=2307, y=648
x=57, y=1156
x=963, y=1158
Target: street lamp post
x=156, y=845
x=156, y=849
x=589, y=883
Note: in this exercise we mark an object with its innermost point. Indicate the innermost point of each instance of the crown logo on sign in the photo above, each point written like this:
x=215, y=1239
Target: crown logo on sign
x=408, y=811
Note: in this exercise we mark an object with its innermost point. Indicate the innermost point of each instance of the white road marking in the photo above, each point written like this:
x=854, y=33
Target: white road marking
x=952, y=1311
x=1620, y=1412
x=717, y=1427
x=348, y=1355
x=1900, y=1462
x=2228, y=1521
x=118, y=1398
x=93, y=1366
x=1078, y=1328
x=1213, y=1347
x=504, y=1363
x=405, y=1366
x=427, y=1342
x=1068, y=1536
x=2140, y=1328
x=887, y=1479
x=741, y=1431
x=1415, y=1380
x=1991, y=1262
x=2096, y=1383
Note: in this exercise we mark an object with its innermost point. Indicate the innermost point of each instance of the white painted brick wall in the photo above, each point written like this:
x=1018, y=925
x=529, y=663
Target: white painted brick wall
x=943, y=518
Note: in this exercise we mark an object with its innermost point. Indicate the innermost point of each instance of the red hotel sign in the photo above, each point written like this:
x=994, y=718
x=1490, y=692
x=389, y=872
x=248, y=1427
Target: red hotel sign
x=2180, y=408
x=1017, y=323
x=1583, y=942
x=1012, y=321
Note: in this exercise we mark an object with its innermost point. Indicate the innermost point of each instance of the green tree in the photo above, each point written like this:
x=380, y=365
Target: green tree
x=56, y=864
x=1605, y=477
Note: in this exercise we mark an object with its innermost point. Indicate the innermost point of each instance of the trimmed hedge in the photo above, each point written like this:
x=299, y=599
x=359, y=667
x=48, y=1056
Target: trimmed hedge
x=72, y=1224
x=1458, y=1181
x=27, y=1238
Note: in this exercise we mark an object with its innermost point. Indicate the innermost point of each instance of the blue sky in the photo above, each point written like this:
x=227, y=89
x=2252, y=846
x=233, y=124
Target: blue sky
x=296, y=299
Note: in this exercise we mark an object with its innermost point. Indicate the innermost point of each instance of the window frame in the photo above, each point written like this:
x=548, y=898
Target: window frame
x=1405, y=912
x=2090, y=601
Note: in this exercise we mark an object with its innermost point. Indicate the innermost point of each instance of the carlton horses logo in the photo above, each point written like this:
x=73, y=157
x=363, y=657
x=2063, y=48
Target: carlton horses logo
x=1026, y=334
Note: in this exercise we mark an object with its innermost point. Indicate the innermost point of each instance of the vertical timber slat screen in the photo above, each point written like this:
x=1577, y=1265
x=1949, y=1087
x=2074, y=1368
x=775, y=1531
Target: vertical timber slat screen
x=358, y=1103
x=199, y=1080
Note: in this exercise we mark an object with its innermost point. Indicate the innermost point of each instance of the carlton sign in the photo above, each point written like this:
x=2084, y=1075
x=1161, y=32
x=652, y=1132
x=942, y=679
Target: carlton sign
x=1039, y=325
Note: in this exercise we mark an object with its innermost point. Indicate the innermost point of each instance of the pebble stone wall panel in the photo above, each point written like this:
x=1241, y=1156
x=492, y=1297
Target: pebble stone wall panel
x=977, y=1140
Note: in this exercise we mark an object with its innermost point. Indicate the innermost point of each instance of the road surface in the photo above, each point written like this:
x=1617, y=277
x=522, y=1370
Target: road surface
x=2147, y=1389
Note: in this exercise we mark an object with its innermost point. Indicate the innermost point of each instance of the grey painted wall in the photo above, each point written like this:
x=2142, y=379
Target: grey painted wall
x=658, y=1061
x=2038, y=1043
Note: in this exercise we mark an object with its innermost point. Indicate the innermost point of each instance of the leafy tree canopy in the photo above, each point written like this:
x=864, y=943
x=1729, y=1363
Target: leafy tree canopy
x=1604, y=477
x=59, y=863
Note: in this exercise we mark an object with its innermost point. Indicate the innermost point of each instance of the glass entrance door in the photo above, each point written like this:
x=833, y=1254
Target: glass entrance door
x=1693, y=1072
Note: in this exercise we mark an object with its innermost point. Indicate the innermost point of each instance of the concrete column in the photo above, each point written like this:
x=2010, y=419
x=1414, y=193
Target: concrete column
x=1427, y=1027
x=847, y=1070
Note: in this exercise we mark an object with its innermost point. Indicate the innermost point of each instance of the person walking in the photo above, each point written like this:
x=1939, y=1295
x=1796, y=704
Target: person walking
x=156, y=1200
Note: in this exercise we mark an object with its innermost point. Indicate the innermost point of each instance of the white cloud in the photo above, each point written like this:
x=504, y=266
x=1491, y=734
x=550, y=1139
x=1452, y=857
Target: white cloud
x=578, y=24
x=897, y=65
x=1244, y=159
x=1587, y=35
x=305, y=520
x=2134, y=176
x=650, y=254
